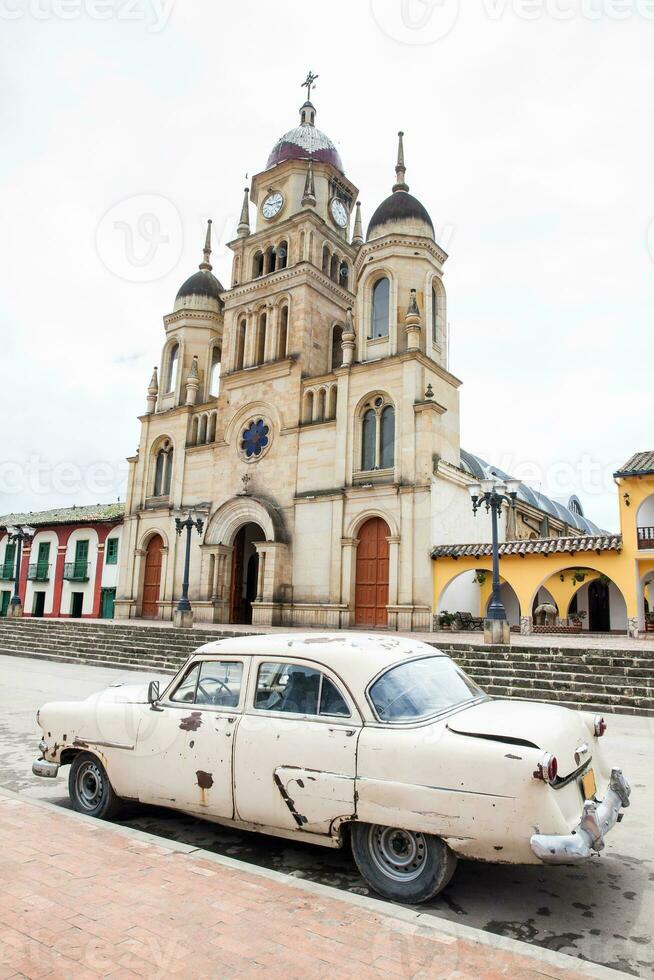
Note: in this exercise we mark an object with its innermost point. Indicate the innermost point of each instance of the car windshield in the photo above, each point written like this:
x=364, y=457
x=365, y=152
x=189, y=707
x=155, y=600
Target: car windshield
x=421, y=688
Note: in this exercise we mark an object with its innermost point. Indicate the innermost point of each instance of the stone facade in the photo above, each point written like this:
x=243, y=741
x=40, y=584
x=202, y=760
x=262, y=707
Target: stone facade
x=333, y=408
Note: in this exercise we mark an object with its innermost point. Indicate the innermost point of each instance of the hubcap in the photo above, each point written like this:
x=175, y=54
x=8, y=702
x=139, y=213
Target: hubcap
x=89, y=785
x=399, y=854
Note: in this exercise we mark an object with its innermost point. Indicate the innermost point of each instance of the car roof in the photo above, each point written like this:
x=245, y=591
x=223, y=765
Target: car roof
x=356, y=657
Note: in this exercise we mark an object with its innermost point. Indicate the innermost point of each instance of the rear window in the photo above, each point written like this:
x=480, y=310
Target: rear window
x=421, y=688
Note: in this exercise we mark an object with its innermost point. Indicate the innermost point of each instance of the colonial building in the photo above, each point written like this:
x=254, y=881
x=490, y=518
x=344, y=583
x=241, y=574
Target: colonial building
x=307, y=413
x=68, y=565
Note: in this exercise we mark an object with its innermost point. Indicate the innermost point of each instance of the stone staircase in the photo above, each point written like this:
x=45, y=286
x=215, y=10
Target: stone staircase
x=590, y=679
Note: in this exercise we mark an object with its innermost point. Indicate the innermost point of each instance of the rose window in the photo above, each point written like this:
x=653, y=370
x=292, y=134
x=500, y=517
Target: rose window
x=255, y=438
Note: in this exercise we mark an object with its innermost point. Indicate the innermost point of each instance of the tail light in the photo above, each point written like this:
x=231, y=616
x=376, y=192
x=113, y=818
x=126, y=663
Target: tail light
x=600, y=726
x=547, y=768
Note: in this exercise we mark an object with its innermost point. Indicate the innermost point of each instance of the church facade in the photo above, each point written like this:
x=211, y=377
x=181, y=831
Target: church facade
x=301, y=411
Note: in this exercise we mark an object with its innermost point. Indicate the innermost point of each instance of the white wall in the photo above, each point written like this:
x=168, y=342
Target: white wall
x=86, y=588
x=452, y=519
x=110, y=572
x=645, y=516
x=461, y=595
x=510, y=600
x=47, y=587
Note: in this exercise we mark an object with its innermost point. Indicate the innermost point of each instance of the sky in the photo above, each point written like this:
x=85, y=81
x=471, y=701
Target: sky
x=528, y=136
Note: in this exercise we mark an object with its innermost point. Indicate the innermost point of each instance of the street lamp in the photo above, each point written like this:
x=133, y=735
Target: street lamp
x=492, y=493
x=18, y=535
x=183, y=612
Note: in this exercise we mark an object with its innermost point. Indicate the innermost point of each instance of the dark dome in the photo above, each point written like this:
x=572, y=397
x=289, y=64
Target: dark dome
x=201, y=284
x=403, y=209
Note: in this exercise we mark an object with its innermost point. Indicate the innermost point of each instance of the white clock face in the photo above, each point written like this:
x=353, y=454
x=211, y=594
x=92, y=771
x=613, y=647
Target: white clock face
x=272, y=205
x=339, y=212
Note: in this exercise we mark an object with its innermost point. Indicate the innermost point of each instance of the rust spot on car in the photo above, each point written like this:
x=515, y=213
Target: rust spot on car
x=80, y=744
x=191, y=743
x=290, y=803
x=192, y=722
x=205, y=779
x=300, y=783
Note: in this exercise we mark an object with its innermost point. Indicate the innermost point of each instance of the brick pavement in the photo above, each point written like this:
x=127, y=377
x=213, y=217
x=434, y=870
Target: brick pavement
x=85, y=899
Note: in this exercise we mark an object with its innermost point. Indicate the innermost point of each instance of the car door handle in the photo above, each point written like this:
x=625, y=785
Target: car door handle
x=345, y=731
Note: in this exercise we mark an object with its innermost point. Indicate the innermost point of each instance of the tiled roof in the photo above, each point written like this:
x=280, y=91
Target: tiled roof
x=90, y=514
x=539, y=546
x=640, y=464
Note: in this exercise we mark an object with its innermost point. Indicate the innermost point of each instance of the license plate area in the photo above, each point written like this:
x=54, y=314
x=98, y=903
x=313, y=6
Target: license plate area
x=588, y=785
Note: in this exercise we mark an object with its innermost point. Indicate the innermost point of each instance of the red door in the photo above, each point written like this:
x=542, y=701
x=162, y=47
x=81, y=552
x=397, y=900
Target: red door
x=152, y=578
x=371, y=589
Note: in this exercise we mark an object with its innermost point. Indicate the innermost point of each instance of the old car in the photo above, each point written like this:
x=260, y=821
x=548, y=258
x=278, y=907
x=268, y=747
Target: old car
x=378, y=740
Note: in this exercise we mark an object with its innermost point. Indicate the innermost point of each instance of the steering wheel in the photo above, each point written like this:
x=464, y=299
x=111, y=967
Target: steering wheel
x=213, y=697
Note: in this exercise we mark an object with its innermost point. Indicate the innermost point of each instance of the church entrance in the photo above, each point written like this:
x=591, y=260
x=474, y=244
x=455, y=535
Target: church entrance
x=371, y=589
x=245, y=573
x=152, y=578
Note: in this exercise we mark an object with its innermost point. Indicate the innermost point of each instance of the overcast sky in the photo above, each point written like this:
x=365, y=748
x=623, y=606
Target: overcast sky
x=126, y=123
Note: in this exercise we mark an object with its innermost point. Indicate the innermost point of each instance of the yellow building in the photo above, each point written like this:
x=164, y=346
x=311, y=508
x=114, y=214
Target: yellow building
x=598, y=582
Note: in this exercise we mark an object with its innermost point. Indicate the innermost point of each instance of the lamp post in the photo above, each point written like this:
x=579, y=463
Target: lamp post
x=183, y=612
x=17, y=535
x=492, y=493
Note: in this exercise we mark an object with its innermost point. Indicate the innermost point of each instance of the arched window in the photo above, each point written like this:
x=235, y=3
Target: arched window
x=202, y=436
x=261, y=339
x=163, y=469
x=282, y=255
x=269, y=264
x=214, y=373
x=257, y=265
x=333, y=268
x=235, y=270
x=344, y=274
x=322, y=405
x=307, y=414
x=369, y=440
x=240, y=345
x=337, y=346
x=325, y=260
x=282, y=337
x=211, y=428
x=333, y=395
x=434, y=316
x=172, y=369
x=387, y=440
x=380, y=308
x=378, y=434
x=194, y=431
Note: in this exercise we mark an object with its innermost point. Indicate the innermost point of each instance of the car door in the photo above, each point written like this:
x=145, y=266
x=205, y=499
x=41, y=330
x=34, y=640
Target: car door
x=296, y=744
x=185, y=747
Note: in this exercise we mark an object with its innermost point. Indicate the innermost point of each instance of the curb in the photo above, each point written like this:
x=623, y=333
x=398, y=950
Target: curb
x=427, y=923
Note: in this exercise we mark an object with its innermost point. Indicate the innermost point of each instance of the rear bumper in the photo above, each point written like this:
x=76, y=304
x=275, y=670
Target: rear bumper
x=597, y=819
x=40, y=767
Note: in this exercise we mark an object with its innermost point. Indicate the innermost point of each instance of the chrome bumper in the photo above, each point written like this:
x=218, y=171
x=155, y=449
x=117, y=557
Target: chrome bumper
x=596, y=821
x=40, y=767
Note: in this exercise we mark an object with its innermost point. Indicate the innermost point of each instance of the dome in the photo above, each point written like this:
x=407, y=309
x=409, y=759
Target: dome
x=401, y=213
x=201, y=284
x=305, y=142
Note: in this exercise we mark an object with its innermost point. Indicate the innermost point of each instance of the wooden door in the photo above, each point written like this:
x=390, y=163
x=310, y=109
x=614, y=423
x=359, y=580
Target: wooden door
x=371, y=588
x=152, y=578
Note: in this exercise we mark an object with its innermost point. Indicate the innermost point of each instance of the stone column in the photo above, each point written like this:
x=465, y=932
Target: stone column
x=348, y=573
x=272, y=328
x=99, y=565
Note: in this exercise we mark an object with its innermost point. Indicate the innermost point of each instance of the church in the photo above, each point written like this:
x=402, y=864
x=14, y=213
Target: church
x=306, y=414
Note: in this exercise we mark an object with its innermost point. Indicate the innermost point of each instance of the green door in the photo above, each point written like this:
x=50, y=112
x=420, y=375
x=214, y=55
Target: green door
x=43, y=561
x=81, y=559
x=4, y=603
x=8, y=571
x=108, y=598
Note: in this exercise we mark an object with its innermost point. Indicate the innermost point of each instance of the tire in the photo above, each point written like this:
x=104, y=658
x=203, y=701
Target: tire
x=402, y=865
x=89, y=788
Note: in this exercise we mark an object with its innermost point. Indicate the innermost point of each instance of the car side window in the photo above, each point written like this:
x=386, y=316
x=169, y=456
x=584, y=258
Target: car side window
x=213, y=683
x=298, y=690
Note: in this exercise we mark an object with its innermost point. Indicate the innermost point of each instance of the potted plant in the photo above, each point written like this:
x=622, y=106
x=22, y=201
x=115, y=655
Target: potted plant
x=578, y=575
x=577, y=619
x=445, y=619
x=480, y=576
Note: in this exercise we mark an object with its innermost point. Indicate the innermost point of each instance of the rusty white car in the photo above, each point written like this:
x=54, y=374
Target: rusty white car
x=380, y=741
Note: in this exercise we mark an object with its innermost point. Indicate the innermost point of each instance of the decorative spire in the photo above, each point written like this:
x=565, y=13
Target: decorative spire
x=309, y=196
x=357, y=237
x=243, y=229
x=205, y=264
x=308, y=112
x=400, y=170
x=348, y=341
x=412, y=323
x=153, y=391
x=192, y=382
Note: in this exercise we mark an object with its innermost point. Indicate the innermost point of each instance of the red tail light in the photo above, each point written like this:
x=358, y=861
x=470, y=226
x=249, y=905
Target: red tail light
x=547, y=768
x=600, y=726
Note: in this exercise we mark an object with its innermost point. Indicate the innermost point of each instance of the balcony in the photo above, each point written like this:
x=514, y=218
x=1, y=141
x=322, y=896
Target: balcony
x=76, y=571
x=38, y=572
x=8, y=571
x=646, y=538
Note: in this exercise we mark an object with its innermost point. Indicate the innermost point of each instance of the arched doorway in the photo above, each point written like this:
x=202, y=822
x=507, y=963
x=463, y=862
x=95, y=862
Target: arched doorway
x=599, y=610
x=245, y=573
x=152, y=577
x=371, y=588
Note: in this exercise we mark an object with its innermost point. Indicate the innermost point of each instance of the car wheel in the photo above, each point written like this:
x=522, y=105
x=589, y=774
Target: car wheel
x=89, y=787
x=402, y=865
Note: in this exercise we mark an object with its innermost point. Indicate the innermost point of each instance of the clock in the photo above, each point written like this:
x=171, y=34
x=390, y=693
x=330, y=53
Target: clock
x=339, y=212
x=272, y=205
